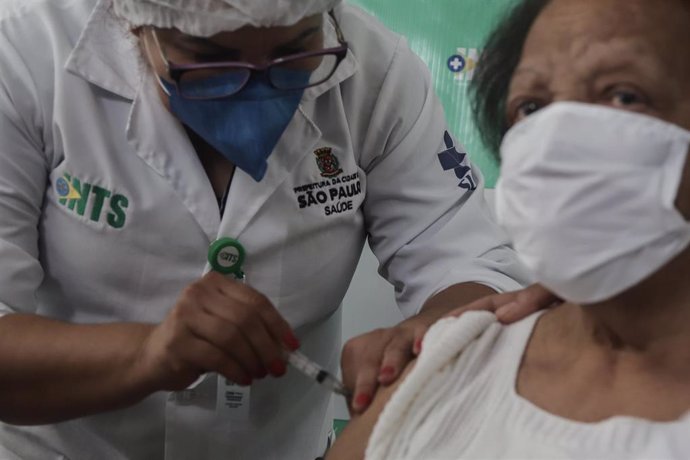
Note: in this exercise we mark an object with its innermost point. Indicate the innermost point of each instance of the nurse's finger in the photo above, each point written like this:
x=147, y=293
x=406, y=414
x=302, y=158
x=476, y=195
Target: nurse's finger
x=360, y=362
x=277, y=326
x=397, y=354
x=527, y=301
x=226, y=336
x=489, y=303
x=419, y=334
x=208, y=358
x=253, y=330
x=365, y=388
x=266, y=346
x=227, y=301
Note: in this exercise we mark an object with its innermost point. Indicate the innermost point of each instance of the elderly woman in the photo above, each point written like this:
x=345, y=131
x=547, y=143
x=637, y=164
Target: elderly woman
x=595, y=193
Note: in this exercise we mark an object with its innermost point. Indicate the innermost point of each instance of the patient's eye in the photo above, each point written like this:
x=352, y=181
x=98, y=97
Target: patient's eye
x=626, y=98
x=525, y=109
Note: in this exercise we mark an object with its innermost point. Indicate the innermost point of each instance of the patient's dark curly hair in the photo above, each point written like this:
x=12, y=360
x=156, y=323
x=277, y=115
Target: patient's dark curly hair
x=501, y=55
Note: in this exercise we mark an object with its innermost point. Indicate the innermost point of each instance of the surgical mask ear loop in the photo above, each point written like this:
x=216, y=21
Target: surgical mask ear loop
x=148, y=55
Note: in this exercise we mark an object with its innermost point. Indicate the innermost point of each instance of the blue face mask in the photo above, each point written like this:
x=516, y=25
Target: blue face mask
x=244, y=127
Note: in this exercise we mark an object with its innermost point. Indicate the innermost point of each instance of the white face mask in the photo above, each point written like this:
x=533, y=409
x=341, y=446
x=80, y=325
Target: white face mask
x=587, y=194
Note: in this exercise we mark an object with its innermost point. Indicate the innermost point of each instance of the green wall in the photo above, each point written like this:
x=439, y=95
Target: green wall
x=438, y=30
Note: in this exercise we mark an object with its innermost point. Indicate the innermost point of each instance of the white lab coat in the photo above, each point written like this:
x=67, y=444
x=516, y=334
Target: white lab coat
x=78, y=105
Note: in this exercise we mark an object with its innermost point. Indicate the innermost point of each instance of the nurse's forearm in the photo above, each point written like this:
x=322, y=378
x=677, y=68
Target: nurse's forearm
x=52, y=371
x=452, y=298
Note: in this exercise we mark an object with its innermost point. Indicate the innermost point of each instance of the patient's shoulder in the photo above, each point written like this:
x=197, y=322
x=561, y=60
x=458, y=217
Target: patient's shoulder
x=460, y=359
x=475, y=343
x=467, y=365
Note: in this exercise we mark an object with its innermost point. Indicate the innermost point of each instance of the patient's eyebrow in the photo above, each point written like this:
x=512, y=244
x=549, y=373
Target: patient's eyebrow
x=639, y=66
x=529, y=76
x=526, y=69
x=620, y=57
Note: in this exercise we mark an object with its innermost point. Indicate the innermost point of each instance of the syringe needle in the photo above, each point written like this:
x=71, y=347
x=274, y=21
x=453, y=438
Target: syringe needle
x=312, y=370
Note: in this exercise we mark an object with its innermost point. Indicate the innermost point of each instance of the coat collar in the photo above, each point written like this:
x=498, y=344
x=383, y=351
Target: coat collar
x=346, y=69
x=107, y=55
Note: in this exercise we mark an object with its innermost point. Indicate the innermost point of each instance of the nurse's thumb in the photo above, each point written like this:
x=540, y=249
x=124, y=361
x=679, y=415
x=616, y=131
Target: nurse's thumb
x=420, y=332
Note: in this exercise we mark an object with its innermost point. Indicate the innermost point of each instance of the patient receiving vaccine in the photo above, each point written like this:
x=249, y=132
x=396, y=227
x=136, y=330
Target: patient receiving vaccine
x=589, y=101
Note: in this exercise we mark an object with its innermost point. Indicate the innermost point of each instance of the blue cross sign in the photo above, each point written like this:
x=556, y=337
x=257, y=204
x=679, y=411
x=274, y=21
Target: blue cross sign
x=457, y=63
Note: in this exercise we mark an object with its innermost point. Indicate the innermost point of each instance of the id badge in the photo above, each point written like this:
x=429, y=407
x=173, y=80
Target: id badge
x=232, y=401
x=204, y=415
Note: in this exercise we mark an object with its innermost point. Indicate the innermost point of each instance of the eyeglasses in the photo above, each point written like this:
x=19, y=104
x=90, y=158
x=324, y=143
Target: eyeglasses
x=223, y=79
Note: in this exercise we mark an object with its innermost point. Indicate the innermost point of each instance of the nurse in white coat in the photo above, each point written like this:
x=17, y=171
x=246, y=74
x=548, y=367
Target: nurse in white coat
x=133, y=134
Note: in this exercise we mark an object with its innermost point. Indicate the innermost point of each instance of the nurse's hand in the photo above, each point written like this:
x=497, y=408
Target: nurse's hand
x=218, y=325
x=377, y=358
x=510, y=307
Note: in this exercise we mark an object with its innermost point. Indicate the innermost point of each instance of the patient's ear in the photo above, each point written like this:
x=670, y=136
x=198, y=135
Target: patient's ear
x=683, y=197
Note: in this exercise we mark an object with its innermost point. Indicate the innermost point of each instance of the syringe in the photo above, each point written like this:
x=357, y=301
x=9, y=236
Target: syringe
x=316, y=372
x=226, y=256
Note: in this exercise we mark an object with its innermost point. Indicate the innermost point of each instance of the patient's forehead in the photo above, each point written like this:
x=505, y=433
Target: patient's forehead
x=661, y=27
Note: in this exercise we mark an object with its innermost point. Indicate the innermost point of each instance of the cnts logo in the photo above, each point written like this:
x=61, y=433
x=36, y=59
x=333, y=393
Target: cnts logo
x=98, y=203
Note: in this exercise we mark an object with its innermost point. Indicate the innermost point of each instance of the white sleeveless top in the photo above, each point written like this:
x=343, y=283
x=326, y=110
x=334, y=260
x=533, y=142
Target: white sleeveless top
x=460, y=402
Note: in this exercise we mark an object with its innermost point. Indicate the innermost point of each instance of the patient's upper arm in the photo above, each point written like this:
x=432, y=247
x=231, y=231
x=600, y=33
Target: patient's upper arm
x=352, y=444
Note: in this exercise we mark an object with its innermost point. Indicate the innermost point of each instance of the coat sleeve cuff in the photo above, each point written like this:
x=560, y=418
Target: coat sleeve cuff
x=497, y=281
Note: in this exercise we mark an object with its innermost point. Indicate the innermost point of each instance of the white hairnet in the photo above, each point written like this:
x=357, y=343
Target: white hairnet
x=203, y=18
